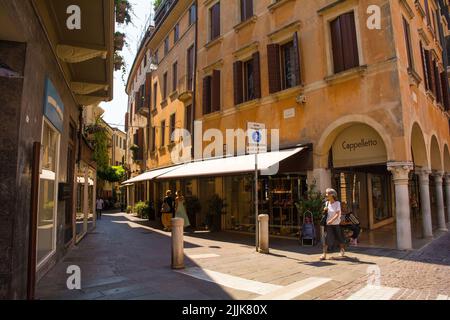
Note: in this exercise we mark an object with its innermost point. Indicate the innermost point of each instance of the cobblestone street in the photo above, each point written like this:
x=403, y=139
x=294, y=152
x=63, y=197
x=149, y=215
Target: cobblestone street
x=126, y=259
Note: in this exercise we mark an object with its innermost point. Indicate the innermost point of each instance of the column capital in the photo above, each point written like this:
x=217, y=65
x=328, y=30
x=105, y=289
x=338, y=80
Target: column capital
x=423, y=173
x=438, y=176
x=400, y=170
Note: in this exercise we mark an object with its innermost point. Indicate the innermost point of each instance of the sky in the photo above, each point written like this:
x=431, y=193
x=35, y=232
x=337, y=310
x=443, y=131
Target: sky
x=115, y=110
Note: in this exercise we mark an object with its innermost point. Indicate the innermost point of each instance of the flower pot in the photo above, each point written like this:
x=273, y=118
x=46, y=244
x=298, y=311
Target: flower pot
x=119, y=41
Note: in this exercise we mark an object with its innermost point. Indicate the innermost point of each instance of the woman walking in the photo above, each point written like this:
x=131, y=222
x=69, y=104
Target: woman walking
x=181, y=209
x=167, y=211
x=333, y=232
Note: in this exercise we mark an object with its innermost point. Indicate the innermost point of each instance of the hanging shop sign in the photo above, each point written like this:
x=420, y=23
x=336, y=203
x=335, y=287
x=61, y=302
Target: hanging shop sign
x=53, y=106
x=358, y=145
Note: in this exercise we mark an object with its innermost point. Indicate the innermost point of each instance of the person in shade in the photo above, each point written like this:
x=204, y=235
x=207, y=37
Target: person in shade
x=180, y=209
x=333, y=232
x=168, y=211
x=99, y=205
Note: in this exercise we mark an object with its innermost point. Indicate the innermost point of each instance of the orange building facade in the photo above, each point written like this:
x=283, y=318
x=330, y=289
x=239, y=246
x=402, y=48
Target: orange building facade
x=361, y=87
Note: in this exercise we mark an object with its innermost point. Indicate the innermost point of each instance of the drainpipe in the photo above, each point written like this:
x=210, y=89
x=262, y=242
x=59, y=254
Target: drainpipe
x=194, y=97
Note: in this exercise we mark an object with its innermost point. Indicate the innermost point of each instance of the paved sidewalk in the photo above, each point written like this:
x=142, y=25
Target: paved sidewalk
x=126, y=259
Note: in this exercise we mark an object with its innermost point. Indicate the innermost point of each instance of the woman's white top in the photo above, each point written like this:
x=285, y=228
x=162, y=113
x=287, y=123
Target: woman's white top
x=334, y=208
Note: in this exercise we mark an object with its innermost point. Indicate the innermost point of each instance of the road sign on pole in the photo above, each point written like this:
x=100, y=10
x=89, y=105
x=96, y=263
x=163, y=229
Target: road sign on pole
x=257, y=144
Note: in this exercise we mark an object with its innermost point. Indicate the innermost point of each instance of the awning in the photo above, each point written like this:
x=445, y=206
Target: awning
x=224, y=166
x=149, y=175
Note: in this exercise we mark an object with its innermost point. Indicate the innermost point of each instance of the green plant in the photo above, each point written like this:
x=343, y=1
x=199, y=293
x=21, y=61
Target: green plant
x=100, y=144
x=157, y=4
x=119, y=40
x=123, y=11
x=142, y=209
x=129, y=209
x=112, y=173
x=314, y=203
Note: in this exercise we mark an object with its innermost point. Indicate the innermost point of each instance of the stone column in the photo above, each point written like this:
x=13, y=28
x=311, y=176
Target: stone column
x=321, y=177
x=440, y=200
x=447, y=194
x=263, y=233
x=400, y=172
x=425, y=205
x=177, y=243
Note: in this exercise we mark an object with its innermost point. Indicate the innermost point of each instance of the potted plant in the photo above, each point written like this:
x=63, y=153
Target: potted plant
x=118, y=61
x=119, y=40
x=193, y=207
x=216, y=206
x=314, y=203
x=123, y=9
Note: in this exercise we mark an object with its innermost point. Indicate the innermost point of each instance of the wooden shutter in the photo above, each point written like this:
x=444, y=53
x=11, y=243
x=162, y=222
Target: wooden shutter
x=437, y=78
x=126, y=121
x=215, y=91
x=407, y=36
x=424, y=68
x=136, y=102
x=148, y=90
x=297, y=71
x=215, y=21
x=273, y=61
x=257, y=75
x=349, y=41
x=207, y=95
x=246, y=9
x=238, y=79
x=445, y=97
x=140, y=143
x=427, y=12
x=336, y=43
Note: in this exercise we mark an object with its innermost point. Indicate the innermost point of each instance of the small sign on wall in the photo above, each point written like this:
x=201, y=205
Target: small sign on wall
x=289, y=113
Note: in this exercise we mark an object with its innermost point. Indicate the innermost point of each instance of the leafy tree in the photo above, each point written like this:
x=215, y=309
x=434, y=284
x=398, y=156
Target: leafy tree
x=112, y=174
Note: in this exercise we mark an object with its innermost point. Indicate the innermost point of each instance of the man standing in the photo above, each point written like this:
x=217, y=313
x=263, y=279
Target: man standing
x=99, y=206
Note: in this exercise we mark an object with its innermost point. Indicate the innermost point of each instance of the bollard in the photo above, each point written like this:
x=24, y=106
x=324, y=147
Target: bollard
x=177, y=243
x=263, y=221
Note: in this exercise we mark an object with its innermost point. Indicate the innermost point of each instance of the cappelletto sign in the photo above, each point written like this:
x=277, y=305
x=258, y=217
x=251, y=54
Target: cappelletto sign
x=358, y=145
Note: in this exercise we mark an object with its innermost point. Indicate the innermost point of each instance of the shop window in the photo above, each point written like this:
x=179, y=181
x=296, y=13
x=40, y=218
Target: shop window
x=46, y=227
x=344, y=42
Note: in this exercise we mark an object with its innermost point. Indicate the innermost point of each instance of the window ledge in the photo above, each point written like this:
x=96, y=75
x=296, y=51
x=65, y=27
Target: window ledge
x=288, y=93
x=245, y=23
x=174, y=95
x=212, y=43
x=346, y=75
x=248, y=104
x=212, y=115
x=277, y=4
x=164, y=103
x=414, y=78
x=431, y=96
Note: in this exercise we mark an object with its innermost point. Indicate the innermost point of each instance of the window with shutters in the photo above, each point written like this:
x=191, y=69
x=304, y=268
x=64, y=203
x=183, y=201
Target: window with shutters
x=211, y=93
x=155, y=90
x=192, y=14
x=344, y=42
x=165, y=79
x=284, y=65
x=176, y=33
x=246, y=9
x=190, y=68
x=247, y=82
x=153, y=139
x=409, y=53
x=163, y=133
x=166, y=46
x=214, y=21
x=188, y=119
x=175, y=76
x=172, y=127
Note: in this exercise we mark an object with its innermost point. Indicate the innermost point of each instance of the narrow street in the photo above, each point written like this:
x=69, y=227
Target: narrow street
x=124, y=258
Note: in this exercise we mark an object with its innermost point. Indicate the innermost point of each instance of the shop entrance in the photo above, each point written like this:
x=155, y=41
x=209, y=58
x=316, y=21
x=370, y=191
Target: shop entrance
x=368, y=193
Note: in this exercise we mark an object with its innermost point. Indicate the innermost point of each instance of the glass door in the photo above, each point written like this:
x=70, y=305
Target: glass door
x=379, y=201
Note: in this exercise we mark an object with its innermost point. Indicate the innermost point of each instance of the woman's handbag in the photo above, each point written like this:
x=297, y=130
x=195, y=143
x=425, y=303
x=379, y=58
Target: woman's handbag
x=165, y=207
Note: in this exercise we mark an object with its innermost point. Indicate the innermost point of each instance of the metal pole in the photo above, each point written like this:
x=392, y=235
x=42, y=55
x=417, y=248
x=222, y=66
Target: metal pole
x=256, y=203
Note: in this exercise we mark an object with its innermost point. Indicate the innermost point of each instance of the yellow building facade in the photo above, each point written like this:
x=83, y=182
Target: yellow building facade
x=361, y=86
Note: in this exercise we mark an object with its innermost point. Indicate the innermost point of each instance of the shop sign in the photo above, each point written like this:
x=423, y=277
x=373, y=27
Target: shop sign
x=289, y=113
x=358, y=145
x=53, y=106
